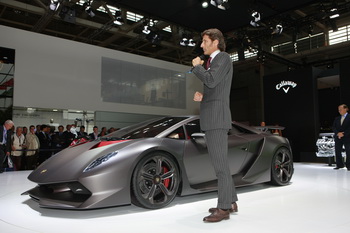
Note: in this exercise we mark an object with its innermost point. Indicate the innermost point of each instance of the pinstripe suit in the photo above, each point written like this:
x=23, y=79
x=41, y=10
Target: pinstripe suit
x=215, y=118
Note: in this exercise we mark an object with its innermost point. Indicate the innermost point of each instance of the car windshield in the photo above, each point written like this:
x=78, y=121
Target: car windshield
x=147, y=129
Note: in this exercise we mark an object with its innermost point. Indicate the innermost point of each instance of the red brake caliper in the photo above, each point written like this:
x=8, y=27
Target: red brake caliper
x=166, y=182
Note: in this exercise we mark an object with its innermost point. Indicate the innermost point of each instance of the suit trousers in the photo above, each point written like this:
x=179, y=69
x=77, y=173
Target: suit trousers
x=338, y=149
x=2, y=156
x=217, y=143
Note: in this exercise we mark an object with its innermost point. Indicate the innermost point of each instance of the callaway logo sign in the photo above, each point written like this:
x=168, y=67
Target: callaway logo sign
x=285, y=85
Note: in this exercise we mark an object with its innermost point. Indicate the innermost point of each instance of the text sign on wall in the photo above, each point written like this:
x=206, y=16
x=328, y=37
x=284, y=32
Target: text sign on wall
x=285, y=85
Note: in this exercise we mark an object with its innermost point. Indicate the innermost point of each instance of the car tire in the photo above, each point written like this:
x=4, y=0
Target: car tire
x=282, y=167
x=155, y=181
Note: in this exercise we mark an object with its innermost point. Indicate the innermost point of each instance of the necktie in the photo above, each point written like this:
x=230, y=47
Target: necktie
x=208, y=63
x=341, y=120
x=4, y=137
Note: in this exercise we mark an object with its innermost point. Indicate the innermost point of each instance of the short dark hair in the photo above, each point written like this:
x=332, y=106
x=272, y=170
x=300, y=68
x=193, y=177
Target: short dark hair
x=216, y=34
x=344, y=106
x=43, y=127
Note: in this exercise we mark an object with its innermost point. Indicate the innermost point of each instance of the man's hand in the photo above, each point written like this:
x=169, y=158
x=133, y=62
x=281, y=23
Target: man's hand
x=197, y=61
x=198, y=96
x=340, y=135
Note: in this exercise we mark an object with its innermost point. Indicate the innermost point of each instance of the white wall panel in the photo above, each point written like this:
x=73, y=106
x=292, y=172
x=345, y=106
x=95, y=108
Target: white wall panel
x=55, y=73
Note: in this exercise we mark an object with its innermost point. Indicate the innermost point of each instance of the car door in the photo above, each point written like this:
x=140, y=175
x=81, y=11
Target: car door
x=197, y=162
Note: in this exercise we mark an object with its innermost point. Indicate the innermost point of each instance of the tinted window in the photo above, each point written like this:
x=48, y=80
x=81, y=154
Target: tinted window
x=178, y=133
x=147, y=130
x=193, y=127
x=239, y=130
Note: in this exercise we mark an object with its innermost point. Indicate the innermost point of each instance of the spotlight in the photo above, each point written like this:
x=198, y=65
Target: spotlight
x=255, y=19
x=89, y=11
x=154, y=38
x=54, y=5
x=118, y=20
x=278, y=29
x=67, y=14
x=205, y=4
x=221, y=4
x=333, y=13
x=146, y=30
x=187, y=42
x=191, y=43
x=146, y=26
x=184, y=42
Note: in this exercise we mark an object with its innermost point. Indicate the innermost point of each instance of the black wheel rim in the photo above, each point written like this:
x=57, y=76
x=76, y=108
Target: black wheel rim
x=283, y=166
x=158, y=180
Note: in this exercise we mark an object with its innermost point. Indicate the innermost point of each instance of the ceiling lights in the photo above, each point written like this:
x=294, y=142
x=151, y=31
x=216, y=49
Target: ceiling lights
x=187, y=42
x=221, y=4
x=278, y=30
x=205, y=4
x=118, y=20
x=146, y=30
x=146, y=26
x=154, y=38
x=333, y=13
x=255, y=19
x=54, y=4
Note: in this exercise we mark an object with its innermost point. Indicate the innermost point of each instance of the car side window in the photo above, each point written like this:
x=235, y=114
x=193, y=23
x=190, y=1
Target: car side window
x=178, y=133
x=192, y=127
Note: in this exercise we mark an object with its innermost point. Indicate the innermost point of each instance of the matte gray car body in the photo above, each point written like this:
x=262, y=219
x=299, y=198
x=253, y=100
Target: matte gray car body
x=102, y=173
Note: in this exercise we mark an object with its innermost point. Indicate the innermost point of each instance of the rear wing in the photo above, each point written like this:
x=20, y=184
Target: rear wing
x=269, y=128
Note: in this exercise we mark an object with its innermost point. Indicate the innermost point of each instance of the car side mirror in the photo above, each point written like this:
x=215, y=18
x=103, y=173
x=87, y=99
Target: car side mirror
x=199, y=138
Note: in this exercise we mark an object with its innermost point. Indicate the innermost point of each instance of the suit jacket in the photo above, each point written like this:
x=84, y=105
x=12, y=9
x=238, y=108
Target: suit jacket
x=92, y=136
x=215, y=106
x=44, y=139
x=345, y=127
x=8, y=139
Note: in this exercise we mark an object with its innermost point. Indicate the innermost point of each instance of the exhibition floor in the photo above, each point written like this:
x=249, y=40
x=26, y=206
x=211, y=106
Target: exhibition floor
x=317, y=201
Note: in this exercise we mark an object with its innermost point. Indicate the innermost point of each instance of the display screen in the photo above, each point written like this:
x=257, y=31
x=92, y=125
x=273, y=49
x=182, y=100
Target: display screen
x=132, y=83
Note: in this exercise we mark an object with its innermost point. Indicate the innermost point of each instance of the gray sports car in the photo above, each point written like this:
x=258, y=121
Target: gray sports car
x=149, y=163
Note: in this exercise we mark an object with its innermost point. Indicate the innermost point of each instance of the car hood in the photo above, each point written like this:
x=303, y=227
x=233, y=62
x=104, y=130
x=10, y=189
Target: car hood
x=68, y=164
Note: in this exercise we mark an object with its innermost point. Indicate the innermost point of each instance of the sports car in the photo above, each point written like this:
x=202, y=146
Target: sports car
x=148, y=164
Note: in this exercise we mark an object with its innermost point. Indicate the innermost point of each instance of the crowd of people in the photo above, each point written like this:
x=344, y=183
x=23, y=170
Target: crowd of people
x=31, y=147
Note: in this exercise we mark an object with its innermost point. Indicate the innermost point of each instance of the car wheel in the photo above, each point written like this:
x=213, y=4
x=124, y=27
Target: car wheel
x=155, y=181
x=282, y=167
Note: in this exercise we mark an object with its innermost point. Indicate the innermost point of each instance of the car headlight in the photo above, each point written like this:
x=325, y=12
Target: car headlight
x=100, y=160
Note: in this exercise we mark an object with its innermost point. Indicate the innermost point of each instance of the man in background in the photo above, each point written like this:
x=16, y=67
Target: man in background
x=5, y=142
x=341, y=129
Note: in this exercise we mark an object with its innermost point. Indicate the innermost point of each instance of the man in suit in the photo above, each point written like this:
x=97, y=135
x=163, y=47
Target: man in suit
x=215, y=117
x=341, y=129
x=5, y=141
x=94, y=134
x=45, y=144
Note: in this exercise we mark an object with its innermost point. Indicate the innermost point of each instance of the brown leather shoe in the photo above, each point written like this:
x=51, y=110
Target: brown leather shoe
x=232, y=210
x=217, y=216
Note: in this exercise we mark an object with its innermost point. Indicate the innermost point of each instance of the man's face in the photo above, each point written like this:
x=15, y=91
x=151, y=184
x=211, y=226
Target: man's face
x=19, y=131
x=8, y=126
x=32, y=130
x=342, y=110
x=208, y=45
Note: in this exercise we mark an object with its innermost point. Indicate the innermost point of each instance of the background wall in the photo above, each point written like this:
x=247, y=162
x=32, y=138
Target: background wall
x=296, y=108
x=57, y=73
